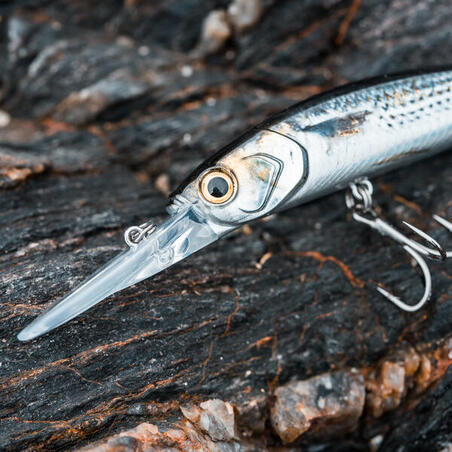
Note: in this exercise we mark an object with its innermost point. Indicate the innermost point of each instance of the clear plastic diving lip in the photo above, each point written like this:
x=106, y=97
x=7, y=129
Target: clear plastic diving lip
x=180, y=236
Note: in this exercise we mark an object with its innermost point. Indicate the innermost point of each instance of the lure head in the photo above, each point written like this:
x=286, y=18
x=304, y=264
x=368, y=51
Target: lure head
x=248, y=179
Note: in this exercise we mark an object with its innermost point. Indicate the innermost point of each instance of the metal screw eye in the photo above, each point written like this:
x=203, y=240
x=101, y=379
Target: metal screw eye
x=135, y=234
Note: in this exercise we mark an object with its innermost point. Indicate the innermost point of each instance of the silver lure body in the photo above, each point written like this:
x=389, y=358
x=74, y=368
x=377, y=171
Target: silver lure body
x=371, y=130
x=314, y=148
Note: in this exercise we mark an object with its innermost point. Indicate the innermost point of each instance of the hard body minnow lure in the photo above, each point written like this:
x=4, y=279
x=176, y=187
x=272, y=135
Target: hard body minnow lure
x=324, y=144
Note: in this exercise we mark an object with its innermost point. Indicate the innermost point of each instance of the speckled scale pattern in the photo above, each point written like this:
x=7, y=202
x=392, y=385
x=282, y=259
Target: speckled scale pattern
x=409, y=99
x=370, y=130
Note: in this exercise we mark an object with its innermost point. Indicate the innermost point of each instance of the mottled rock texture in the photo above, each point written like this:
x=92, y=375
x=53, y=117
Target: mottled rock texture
x=329, y=403
x=105, y=106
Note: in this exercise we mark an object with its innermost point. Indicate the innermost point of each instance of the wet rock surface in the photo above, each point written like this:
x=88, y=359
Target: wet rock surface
x=104, y=108
x=306, y=414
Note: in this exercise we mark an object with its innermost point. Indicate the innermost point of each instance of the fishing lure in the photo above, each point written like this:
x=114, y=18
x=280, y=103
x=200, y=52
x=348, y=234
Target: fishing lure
x=327, y=143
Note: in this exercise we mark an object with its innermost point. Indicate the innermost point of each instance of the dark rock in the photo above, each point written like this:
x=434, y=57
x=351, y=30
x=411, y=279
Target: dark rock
x=98, y=101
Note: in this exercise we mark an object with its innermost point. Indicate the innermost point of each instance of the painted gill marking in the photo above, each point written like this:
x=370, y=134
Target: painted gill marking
x=267, y=168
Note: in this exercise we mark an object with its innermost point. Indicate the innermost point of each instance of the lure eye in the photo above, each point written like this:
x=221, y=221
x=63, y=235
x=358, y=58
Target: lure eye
x=217, y=186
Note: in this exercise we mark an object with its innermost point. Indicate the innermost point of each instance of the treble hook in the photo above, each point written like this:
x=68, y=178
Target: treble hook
x=447, y=225
x=359, y=200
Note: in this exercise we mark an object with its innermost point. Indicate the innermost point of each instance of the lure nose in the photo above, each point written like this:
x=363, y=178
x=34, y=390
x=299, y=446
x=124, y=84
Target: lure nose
x=180, y=236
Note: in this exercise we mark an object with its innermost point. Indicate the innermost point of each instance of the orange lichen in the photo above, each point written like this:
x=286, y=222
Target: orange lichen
x=261, y=342
x=345, y=24
x=263, y=260
x=400, y=199
x=52, y=127
x=354, y=281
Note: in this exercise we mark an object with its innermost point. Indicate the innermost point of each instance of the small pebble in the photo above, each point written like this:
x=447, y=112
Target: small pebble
x=124, y=41
x=143, y=50
x=216, y=30
x=162, y=184
x=186, y=71
x=5, y=118
x=186, y=138
x=375, y=443
x=243, y=14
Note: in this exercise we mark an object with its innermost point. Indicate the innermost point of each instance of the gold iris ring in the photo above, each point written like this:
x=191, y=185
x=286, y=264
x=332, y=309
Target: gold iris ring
x=217, y=185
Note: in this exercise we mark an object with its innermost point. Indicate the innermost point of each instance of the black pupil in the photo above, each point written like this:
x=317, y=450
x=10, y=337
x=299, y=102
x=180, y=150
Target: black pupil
x=217, y=187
